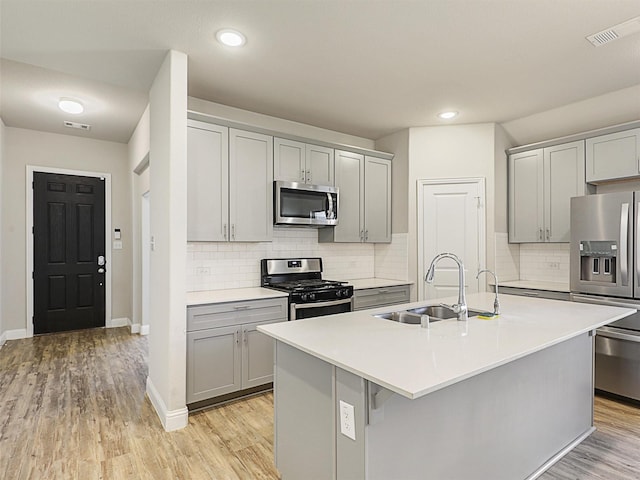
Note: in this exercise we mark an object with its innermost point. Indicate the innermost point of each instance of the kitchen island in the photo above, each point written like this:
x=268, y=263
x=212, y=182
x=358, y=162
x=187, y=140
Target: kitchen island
x=360, y=397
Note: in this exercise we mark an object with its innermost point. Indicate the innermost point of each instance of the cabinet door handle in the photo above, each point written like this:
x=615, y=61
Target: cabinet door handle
x=236, y=334
x=302, y=175
x=361, y=235
x=224, y=231
x=366, y=235
x=548, y=234
x=540, y=235
x=244, y=336
x=241, y=307
x=233, y=231
x=308, y=176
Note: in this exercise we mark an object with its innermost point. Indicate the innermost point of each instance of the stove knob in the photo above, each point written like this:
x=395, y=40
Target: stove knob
x=312, y=296
x=338, y=293
x=304, y=297
x=345, y=292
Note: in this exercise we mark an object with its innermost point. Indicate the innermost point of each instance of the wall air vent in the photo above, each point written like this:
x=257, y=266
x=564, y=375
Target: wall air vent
x=613, y=33
x=80, y=126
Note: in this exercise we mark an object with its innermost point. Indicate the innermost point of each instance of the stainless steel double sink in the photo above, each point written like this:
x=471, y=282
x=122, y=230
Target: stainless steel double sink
x=413, y=316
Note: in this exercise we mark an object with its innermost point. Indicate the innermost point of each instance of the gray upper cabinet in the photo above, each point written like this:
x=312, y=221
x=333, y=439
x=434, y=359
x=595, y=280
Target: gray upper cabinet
x=613, y=156
x=526, y=186
x=207, y=181
x=541, y=183
x=223, y=166
x=377, y=200
x=250, y=186
x=302, y=162
x=364, y=211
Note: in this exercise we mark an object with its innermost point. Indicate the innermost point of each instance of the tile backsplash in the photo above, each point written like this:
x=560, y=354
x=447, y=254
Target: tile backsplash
x=222, y=265
x=544, y=262
x=536, y=262
x=392, y=259
x=507, y=258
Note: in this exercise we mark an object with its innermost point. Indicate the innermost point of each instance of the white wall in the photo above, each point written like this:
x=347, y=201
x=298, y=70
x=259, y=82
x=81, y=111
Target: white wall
x=2, y=334
x=277, y=124
x=458, y=151
x=29, y=147
x=613, y=108
x=138, y=152
x=166, y=384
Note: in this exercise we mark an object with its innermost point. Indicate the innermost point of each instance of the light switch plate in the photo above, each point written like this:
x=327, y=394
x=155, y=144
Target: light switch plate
x=347, y=420
x=117, y=245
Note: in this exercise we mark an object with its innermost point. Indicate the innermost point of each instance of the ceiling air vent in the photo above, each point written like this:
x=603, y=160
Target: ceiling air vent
x=81, y=126
x=617, y=31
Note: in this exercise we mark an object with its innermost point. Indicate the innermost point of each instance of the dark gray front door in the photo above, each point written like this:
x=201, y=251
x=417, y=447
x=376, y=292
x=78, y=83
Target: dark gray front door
x=69, y=246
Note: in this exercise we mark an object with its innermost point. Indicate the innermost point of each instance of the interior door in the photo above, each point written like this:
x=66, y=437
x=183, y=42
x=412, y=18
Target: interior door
x=69, y=252
x=451, y=220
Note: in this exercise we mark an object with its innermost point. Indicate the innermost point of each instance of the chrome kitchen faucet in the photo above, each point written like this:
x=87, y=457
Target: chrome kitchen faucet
x=459, y=308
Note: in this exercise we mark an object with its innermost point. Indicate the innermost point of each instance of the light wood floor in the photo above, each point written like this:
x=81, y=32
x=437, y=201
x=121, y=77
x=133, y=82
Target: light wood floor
x=72, y=406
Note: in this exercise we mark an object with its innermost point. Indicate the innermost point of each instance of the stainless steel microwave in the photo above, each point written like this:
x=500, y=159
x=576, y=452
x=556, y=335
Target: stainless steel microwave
x=301, y=204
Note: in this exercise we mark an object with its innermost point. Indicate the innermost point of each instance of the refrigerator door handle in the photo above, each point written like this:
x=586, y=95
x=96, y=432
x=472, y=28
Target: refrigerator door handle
x=624, y=245
x=637, y=249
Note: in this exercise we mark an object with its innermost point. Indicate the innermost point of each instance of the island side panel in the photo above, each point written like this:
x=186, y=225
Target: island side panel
x=350, y=453
x=502, y=424
x=304, y=415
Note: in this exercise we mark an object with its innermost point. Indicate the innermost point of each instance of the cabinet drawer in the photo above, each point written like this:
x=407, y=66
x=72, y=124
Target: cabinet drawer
x=235, y=313
x=378, y=297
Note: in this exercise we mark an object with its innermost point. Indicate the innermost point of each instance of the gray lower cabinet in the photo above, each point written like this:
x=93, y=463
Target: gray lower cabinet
x=225, y=352
x=381, y=296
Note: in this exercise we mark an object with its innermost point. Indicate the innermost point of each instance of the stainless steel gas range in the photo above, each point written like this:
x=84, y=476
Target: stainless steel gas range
x=309, y=294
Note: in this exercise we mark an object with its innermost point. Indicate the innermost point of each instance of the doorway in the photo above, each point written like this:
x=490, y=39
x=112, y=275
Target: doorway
x=69, y=254
x=451, y=218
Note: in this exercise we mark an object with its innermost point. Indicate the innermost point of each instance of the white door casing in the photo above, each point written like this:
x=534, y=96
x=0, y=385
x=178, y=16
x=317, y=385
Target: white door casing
x=451, y=218
x=145, y=249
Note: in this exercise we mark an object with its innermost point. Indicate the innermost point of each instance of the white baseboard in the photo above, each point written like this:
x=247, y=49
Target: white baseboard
x=16, y=334
x=135, y=328
x=3, y=339
x=118, y=322
x=170, y=419
x=144, y=329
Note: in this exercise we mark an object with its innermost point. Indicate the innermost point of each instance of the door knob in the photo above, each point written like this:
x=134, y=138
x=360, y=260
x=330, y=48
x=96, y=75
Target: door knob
x=101, y=270
x=101, y=260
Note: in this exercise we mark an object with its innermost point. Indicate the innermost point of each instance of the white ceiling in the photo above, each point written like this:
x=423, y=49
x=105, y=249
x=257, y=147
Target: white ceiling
x=363, y=67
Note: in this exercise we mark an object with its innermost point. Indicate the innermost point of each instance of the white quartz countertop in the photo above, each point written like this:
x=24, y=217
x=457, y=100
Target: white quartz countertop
x=362, y=283
x=232, y=295
x=536, y=285
x=414, y=361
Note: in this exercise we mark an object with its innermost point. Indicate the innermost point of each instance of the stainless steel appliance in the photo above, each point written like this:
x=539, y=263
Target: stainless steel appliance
x=301, y=204
x=309, y=294
x=605, y=269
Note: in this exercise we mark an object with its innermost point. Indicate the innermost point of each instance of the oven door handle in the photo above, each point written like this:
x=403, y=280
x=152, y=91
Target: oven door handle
x=608, y=332
x=300, y=306
x=607, y=301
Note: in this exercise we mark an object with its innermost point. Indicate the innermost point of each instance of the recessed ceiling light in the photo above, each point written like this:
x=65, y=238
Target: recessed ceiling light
x=231, y=38
x=70, y=106
x=447, y=115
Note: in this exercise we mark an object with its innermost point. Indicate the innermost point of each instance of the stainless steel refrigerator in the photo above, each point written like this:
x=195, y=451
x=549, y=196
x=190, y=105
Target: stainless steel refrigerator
x=605, y=269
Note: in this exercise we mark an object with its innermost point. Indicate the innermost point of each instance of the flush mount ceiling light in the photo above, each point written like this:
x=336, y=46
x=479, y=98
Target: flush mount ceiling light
x=447, y=115
x=70, y=106
x=231, y=38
